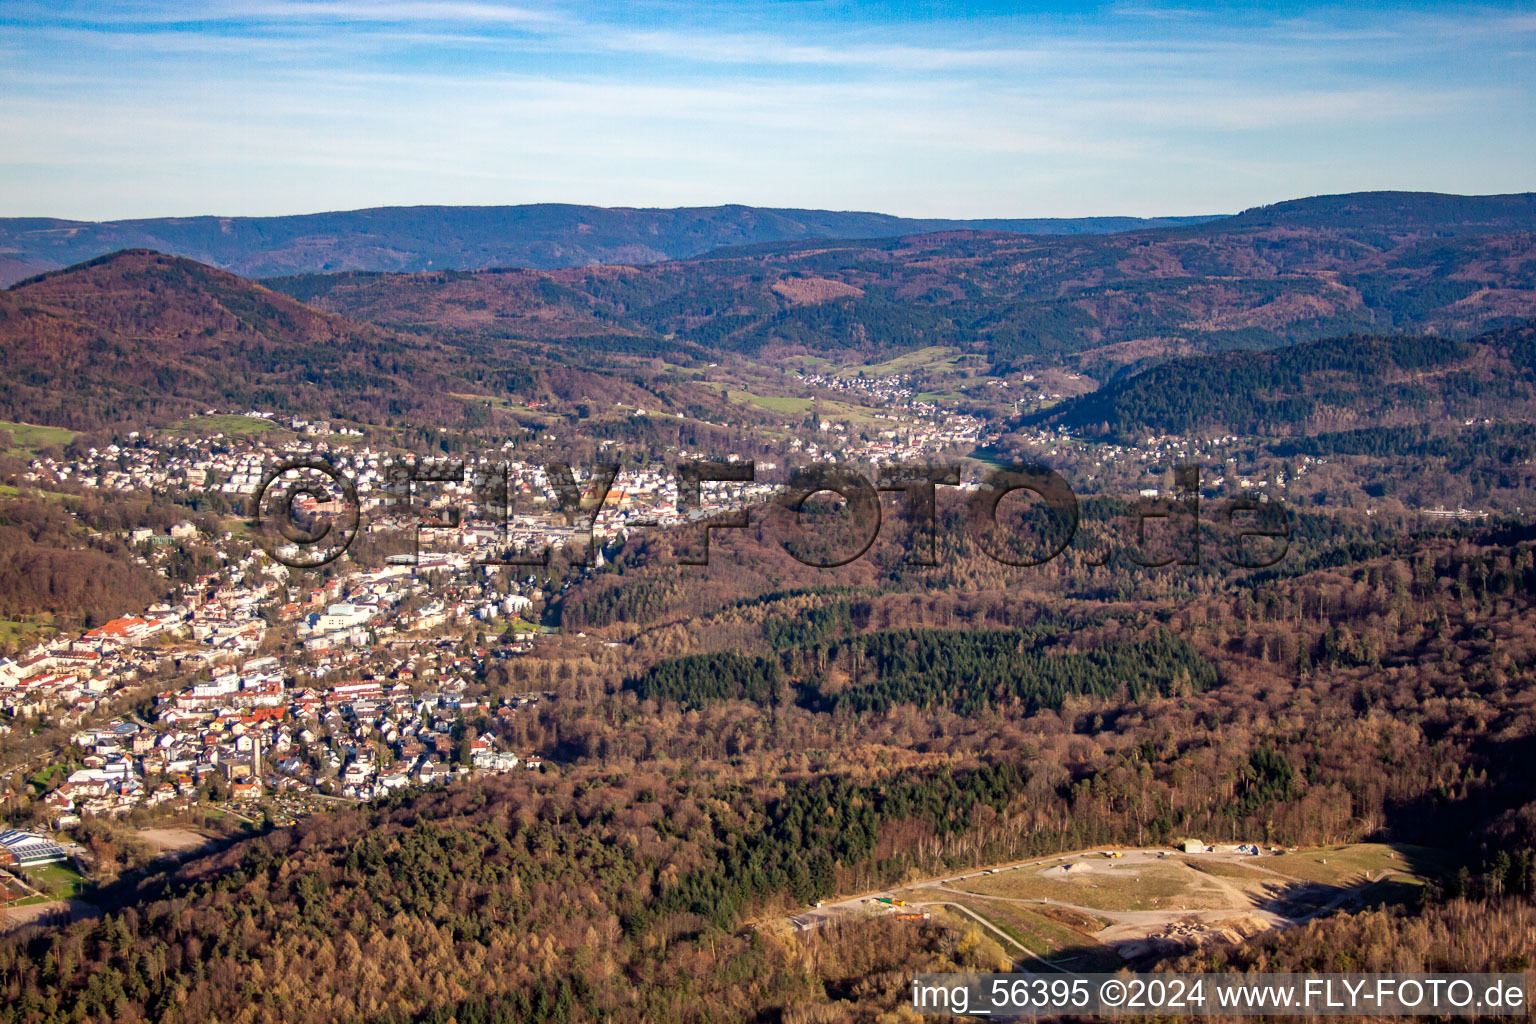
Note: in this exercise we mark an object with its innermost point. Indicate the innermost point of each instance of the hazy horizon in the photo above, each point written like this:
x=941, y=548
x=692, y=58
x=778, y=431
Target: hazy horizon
x=611, y=206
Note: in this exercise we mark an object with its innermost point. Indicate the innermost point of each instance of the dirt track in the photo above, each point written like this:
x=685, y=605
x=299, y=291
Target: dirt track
x=52, y=912
x=1269, y=899
x=174, y=840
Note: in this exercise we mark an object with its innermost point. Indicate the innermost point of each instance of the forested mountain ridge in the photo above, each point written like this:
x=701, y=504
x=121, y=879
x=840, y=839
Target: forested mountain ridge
x=1423, y=211
x=552, y=235
x=1103, y=302
x=153, y=336
x=543, y=235
x=623, y=890
x=1342, y=384
x=139, y=336
x=609, y=897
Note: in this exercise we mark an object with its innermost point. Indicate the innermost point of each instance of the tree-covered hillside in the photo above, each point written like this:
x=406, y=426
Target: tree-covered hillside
x=1356, y=382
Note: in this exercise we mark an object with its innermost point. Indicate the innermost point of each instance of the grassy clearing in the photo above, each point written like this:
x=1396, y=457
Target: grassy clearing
x=228, y=424
x=59, y=881
x=828, y=409
x=24, y=631
x=773, y=403
x=989, y=457
x=12, y=491
x=1161, y=886
x=1336, y=865
x=29, y=438
x=858, y=415
x=1045, y=937
x=47, y=775
x=504, y=404
x=1223, y=869
x=934, y=357
x=31, y=901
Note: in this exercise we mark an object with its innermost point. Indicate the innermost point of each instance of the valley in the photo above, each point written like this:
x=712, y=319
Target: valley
x=498, y=770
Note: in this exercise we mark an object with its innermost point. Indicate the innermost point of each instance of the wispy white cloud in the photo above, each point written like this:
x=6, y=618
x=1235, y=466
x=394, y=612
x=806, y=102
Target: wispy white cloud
x=138, y=107
x=399, y=10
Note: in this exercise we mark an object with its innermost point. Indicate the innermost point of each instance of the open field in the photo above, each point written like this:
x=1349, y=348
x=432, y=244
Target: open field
x=734, y=392
x=857, y=415
x=1094, y=909
x=176, y=841
x=940, y=358
x=1108, y=885
x=1338, y=865
x=830, y=409
x=773, y=403
x=989, y=457
x=12, y=491
x=59, y=881
x=1226, y=869
x=224, y=423
x=41, y=910
x=1044, y=937
x=504, y=403
x=29, y=438
x=22, y=631
x=939, y=397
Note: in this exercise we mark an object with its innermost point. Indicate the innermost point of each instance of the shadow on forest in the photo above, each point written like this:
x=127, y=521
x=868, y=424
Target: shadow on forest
x=1470, y=818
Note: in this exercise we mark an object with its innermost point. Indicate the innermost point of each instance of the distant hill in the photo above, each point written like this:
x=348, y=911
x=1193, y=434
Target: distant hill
x=1400, y=211
x=551, y=235
x=1350, y=384
x=543, y=236
x=139, y=335
x=1106, y=304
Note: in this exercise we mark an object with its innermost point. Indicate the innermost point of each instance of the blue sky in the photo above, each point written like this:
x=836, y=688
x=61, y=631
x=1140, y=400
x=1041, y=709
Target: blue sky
x=127, y=108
